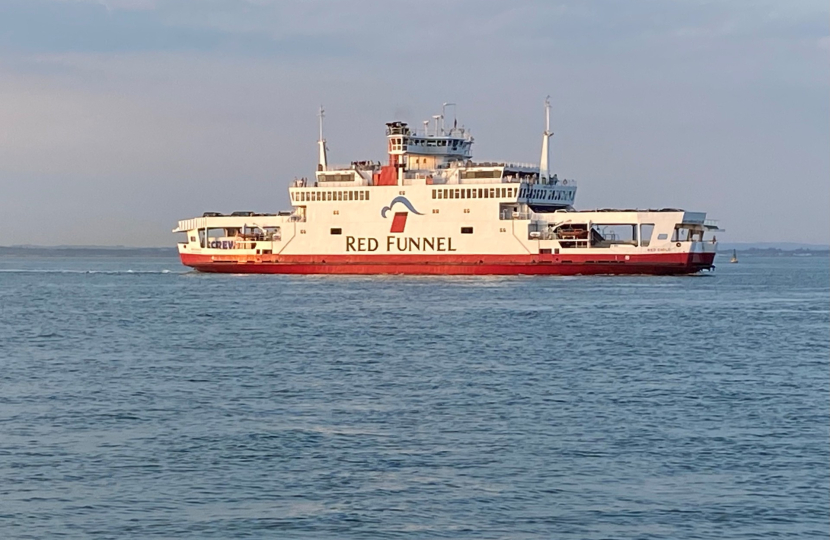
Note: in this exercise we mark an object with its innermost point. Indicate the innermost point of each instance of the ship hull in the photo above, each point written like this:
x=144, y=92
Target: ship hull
x=652, y=264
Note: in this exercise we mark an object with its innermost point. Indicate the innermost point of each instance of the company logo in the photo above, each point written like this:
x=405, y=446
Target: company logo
x=399, y=220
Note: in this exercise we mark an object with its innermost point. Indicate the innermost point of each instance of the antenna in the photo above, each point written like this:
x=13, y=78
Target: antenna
x=547, y=116
x=443, y=109
x=544, y=161
x=323, y=163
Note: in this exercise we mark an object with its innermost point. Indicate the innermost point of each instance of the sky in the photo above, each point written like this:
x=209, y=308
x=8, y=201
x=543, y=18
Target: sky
x=120, y=117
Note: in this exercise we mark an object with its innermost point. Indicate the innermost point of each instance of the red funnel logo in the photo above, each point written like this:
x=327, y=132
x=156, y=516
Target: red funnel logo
x=399, y=222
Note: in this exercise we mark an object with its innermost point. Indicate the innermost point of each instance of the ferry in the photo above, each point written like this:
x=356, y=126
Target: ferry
x=431, y=209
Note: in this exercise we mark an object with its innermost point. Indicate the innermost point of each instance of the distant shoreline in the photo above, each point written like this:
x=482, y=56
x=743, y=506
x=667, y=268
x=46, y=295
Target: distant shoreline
x=775, y=252
x=88, y=251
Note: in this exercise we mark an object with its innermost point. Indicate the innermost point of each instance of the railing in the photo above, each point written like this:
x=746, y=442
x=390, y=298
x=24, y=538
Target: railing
x=514, y=164
x=510, y=215
x=340, y=167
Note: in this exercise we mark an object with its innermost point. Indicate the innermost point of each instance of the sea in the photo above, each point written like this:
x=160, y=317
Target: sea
x=139, y=399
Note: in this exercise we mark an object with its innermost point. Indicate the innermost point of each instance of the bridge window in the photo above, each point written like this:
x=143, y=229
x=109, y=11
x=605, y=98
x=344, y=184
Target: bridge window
x=337, y=231
x=466, y=230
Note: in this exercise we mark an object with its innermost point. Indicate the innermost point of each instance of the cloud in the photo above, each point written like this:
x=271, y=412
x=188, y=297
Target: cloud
x=154, y=111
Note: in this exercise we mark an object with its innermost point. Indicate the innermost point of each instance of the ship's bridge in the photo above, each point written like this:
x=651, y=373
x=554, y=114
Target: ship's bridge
x=428, y=149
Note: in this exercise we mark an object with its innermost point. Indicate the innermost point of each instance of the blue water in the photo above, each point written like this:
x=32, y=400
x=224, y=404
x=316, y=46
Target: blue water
x=140, y=400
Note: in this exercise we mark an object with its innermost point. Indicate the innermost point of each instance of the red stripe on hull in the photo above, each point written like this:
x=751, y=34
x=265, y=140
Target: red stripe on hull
x=657, y=264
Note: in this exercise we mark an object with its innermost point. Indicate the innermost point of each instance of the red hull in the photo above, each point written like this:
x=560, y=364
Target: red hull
x=657, y=264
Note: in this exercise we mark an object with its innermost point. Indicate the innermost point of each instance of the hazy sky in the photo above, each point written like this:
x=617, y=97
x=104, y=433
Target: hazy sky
x=119, y=117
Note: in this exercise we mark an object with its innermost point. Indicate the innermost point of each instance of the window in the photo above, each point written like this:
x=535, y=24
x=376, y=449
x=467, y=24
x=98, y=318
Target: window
x=433, y=193
x=361, y=195
x=663, y=236
x=337, y=231
x=682, y=234
x=367, y=195
x=469, y=175
x=434, y=210
x=336, y=212
x=440, y=194
x=646, y=230
x=336, y=177
x=466, y=210
x=351, y=193
x=608, y=234
x=466, y=230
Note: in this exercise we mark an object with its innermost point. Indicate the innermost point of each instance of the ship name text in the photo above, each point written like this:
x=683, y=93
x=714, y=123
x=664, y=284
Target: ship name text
x=402, y=244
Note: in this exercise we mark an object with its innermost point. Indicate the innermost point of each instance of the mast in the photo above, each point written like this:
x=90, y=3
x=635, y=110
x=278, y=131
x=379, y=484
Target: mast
x=323, y=163
x=454, y=119
x=544, y=161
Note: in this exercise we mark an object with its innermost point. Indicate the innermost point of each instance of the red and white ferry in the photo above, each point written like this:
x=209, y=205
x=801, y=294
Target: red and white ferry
x=431, y=209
